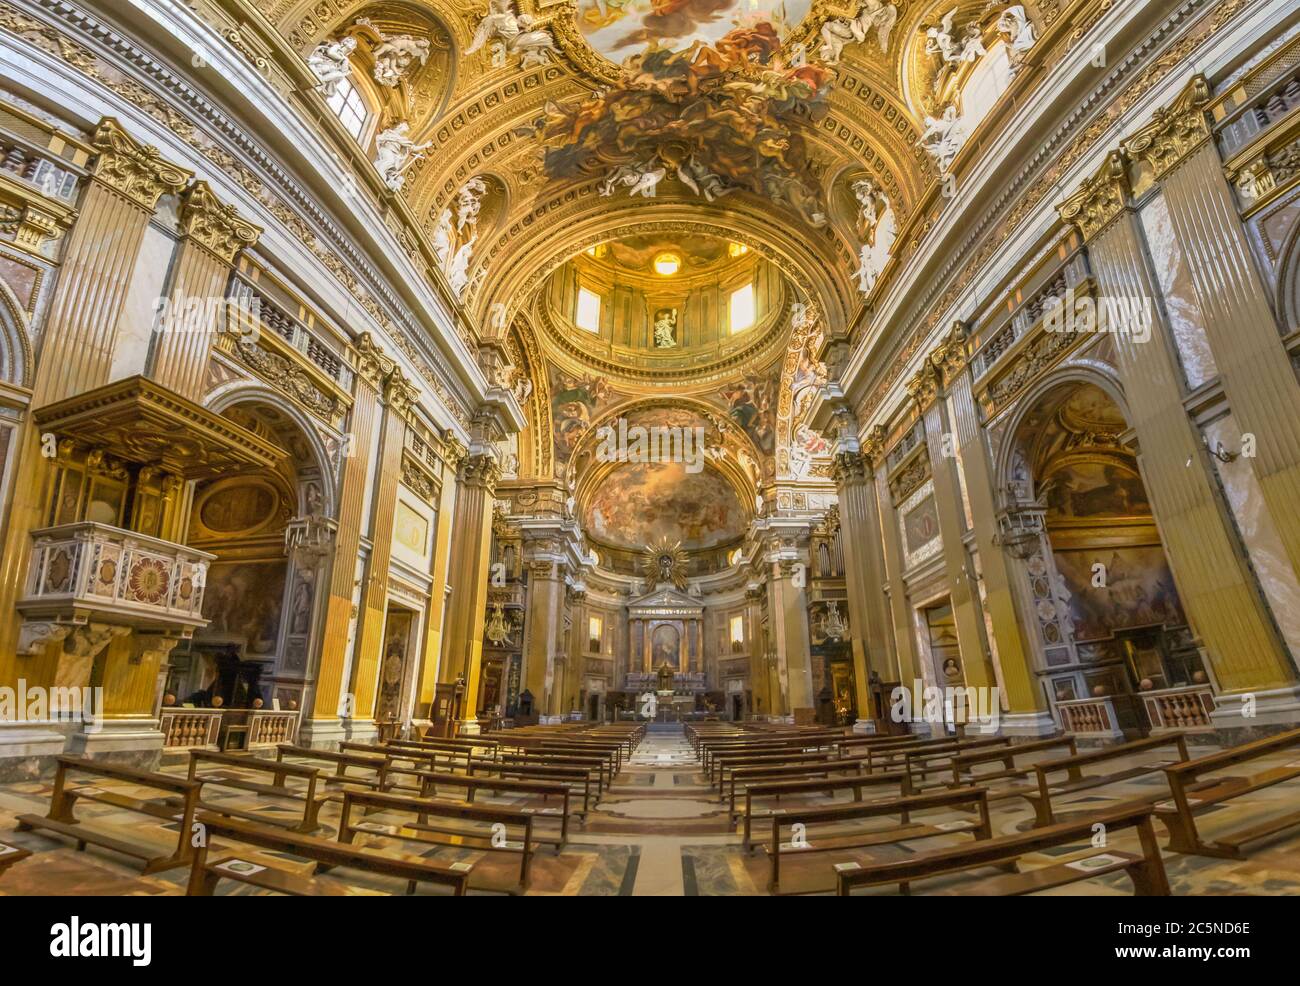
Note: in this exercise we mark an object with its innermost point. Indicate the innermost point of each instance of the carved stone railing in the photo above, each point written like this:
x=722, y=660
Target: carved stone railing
x=267, y=727
x=1089, y=717
x=1185, y=708
x=94, y=571
x=190, y=729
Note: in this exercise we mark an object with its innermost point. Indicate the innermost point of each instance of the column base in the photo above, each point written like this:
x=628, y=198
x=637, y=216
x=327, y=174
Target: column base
x=360, y=730
x=469, y=727
x=321, y=734
x=1027, y=724
x=865, y=726
x=28, y=749
x=1274, y=710
x=550, y=720
x=135, y=742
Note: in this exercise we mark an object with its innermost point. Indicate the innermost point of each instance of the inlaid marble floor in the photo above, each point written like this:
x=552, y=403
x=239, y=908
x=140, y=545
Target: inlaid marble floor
x=660, y=830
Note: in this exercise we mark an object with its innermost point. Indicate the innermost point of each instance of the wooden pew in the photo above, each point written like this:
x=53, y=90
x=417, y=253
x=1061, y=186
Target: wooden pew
x=814, y=785
x=450, y=759
x=965, y=766
x=10, y=855
x=458, y=825
x=63, y=820
x=730, y=761
x=1191, y=795
x=1041, y=799
x=927, y=752
x=310, y=799
x=431, y=782
x=1146, y=870
x=342, y=762
x=205, y=875
x=599, y=765
x=841, y=840
x=577, y=778
x=742, y=776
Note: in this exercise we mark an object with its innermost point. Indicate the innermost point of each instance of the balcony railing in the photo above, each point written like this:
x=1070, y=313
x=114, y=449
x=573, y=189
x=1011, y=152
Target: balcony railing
x=1180, y=708
x=1089, y=717
x=116, y=576
x=198, y=729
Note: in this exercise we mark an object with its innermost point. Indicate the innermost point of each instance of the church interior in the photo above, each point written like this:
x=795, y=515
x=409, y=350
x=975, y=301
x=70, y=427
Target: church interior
x=649, y=447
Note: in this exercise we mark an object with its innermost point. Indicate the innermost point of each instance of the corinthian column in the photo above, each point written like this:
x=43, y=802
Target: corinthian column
x=1233, y=301
x=471, y=547
x=212, y=237
x=1219, y=593
x=80, y=334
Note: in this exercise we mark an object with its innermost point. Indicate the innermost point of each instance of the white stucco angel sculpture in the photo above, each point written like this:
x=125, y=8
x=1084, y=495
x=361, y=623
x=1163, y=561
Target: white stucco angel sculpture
x=512, y=33
x=873, y=14
x=1014, y=25
x=942, y=40
x=876, y=223
x=642, y=179
x=331, y=65
x=395, y=57
x=943, y=138
x=395, y=152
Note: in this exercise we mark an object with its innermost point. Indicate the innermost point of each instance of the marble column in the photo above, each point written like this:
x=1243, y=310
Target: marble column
x=333, y=670
x=864, y=577
x=1219, y=593
x=788, y=608
x=399, y=395
x=542, y=626
x=212, y=236
x=79, y=337
x=451, y=455
x=471, y=550
x=1233, y=301
x=1013, y=658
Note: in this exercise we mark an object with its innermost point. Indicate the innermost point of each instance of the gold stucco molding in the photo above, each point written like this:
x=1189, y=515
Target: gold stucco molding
x=1175, y=131
x=214, y=225
x=1100, y=199
x=136, y=171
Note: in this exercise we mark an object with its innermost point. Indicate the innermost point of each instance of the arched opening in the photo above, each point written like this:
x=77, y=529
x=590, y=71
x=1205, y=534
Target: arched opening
x=1113, y=633
x=262, y=600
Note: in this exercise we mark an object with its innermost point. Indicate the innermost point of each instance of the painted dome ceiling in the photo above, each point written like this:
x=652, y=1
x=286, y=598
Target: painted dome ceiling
x=641, y=504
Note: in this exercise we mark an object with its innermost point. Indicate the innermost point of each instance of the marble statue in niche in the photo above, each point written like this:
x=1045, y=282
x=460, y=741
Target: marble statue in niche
x=665, y=329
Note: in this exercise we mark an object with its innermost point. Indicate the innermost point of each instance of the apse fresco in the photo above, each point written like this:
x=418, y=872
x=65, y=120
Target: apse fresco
x=1138, y=590
x=706, y=99
x=644, y=503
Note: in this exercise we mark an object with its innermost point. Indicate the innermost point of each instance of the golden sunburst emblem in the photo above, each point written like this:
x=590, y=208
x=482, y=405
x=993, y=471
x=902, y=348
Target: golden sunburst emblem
x=665, y=562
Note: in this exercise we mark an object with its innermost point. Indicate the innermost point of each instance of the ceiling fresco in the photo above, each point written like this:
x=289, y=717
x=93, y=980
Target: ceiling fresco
x=618, y=28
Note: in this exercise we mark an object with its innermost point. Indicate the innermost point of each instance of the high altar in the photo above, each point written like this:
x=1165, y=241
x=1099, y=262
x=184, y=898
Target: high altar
x=666, y=629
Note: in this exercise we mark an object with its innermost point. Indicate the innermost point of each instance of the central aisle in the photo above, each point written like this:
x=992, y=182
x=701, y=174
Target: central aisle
x=661, y=802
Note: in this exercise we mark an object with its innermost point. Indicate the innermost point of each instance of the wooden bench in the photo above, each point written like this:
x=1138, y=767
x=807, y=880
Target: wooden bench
x=10, y=855
x=1041, y=797
x=730, y=761
x=741, y=776
x=63, y=820
x=459, y=825
x=375, y=766
x=577, y=778
x=965, y=766
x=841, y=840
x=205, y=875
x=927, y=752
x=310, y=798
x=1146, y=870
x=431, y=782
x=816, y=785
x=1191, y=796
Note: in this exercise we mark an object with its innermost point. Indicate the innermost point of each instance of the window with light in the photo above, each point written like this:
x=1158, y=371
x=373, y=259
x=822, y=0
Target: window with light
x=742, y=308
x=350, y=107
x=588, y=315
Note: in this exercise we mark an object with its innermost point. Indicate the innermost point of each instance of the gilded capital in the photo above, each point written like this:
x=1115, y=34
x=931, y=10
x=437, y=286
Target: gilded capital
x=949, y=357
x=215, y=226
x=1099, y=199
x=400, y=394
x=873, y=446
x=372, y=364
x=1175, y=131
x=924, y=386
x=135, y=170
x=850, y=467
x=481, y=470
